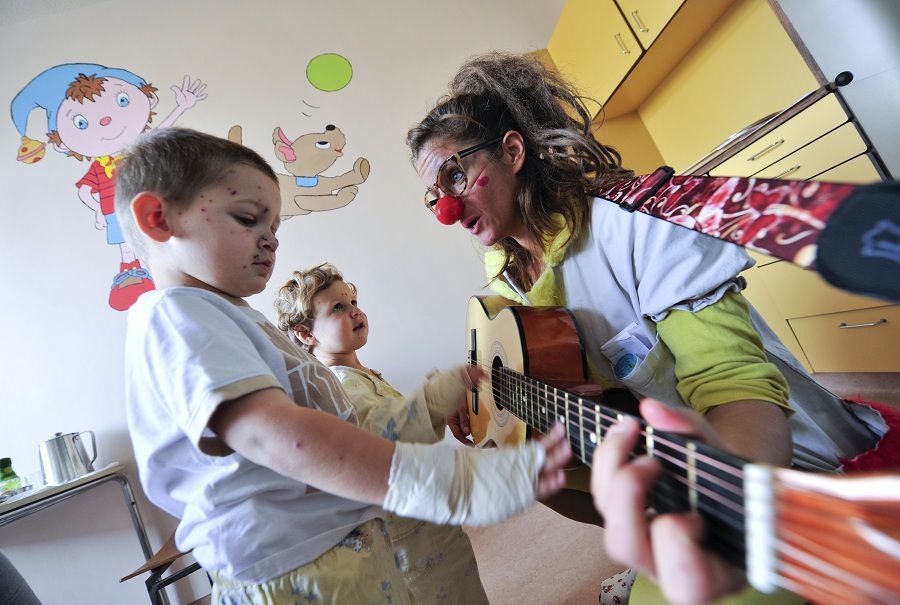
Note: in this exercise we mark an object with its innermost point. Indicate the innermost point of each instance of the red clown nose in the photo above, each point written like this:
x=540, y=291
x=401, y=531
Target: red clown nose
x=448, y=209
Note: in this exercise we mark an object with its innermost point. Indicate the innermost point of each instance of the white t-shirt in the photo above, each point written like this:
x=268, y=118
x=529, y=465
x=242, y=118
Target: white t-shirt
x=187, y=351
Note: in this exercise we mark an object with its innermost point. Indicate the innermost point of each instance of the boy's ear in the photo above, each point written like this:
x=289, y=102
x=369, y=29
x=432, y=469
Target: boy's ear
x=149, y=212
x=305, y=335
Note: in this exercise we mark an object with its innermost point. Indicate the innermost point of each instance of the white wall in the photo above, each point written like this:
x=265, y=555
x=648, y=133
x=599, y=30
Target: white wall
x=61, y=351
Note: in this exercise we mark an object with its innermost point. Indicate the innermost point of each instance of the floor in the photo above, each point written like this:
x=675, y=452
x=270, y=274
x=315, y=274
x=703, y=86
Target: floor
x=874, y=386
x=541, y=557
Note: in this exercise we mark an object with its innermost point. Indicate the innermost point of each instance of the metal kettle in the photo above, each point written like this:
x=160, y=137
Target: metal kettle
x=63, y=458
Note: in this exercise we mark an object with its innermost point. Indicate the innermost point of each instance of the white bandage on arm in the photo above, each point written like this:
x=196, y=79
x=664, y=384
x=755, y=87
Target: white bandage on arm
x=450, y=485
x=444, y=391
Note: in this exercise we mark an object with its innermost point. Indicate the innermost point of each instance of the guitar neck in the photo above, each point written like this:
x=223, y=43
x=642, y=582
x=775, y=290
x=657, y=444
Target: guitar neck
x=696, y=477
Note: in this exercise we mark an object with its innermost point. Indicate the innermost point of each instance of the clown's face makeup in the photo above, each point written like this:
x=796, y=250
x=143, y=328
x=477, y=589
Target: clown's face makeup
x=488, y=206
x=108, y=123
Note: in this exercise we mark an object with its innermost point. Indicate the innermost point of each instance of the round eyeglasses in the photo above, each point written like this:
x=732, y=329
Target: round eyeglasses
x=451, y=178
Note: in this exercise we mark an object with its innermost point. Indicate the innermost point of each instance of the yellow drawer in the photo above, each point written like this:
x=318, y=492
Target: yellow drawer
x=827, y=114
x=860, y=170
x=867, y=340
x=822, y=154
x=801, y=292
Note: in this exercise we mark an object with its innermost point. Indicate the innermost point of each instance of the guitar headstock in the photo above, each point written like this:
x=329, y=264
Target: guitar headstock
x=833, y=539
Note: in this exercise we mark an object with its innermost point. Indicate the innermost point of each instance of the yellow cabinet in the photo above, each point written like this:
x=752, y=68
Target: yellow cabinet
x=648, y=17
x=757, y=293
x=823, y=116
x=864, y=340
x=801, y=292
x=593, y=47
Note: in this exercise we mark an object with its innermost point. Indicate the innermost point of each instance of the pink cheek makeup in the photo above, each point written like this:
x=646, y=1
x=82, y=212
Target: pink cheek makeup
x=482, y=181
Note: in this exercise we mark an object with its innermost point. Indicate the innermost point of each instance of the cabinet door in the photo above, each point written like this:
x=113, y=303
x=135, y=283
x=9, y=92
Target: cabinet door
x=648, y=17
x=593, y=47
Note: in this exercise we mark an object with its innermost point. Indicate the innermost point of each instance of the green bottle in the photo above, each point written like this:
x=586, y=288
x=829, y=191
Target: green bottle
x=9, y=480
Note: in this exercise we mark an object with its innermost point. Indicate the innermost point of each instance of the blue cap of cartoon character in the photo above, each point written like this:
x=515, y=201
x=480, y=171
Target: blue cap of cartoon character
x=47, y=91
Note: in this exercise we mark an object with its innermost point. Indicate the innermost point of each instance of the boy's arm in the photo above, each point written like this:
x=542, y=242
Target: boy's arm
x=441, y=483
x=316, y=448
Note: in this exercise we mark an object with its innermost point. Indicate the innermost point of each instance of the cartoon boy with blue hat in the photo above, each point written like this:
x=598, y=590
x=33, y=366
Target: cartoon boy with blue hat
x=95, y=112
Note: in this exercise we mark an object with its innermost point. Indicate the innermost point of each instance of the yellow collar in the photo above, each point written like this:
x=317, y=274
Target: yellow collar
x=544, y=292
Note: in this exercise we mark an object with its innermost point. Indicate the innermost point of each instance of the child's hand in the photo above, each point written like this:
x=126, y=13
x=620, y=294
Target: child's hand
x=665, y=547
x=552, y=478
x=445, y=392
x=459, y=425
x=471, y=376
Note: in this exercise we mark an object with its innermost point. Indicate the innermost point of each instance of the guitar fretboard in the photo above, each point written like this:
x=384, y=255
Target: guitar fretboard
x=696, y=477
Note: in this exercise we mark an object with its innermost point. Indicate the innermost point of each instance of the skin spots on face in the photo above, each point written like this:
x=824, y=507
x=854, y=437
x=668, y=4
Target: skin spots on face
x=482, y=181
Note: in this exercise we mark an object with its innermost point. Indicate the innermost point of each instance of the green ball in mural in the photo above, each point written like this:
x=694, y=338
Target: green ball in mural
x=329, y=72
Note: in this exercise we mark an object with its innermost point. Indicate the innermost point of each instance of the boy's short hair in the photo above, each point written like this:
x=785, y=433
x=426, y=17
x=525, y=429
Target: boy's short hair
x=293, y=302
x=176, y=164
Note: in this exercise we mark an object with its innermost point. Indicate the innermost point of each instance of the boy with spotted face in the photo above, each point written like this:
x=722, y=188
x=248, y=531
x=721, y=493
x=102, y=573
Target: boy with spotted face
x=250, y=440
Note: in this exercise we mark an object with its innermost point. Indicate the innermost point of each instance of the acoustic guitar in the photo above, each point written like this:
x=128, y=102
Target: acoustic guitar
x=833, y=539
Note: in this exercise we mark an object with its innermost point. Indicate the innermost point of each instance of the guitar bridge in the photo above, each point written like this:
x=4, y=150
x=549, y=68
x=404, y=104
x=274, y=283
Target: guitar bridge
x=473, y=360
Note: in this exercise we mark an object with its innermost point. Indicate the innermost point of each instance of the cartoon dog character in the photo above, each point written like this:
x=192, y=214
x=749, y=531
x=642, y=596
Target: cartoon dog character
x=304, y=189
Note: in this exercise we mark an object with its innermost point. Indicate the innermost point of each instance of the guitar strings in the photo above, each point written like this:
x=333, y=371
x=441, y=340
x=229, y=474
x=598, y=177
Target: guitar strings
x=658, y=452
x=556, y=402
x=715, y=497
x=701, y=505
x=561, y=403
x=729, y=539
x=658, y=438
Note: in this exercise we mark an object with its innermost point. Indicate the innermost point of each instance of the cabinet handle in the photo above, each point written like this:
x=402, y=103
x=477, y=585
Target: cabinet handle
x=765, y=150
x=874, y=323
x=788, y=171
x=640, y=24
x=621, y=44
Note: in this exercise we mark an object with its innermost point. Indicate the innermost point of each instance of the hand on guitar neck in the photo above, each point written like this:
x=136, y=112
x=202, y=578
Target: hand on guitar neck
x=620, y=489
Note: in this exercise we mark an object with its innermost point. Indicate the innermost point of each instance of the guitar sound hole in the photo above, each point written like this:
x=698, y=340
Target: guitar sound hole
x=496, y=380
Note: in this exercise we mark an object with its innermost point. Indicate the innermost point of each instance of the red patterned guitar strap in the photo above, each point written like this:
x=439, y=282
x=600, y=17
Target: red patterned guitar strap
x=850, y=234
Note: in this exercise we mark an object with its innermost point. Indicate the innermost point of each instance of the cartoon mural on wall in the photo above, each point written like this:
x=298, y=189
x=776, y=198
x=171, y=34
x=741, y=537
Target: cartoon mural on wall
x=94, y=112
x=304, y=188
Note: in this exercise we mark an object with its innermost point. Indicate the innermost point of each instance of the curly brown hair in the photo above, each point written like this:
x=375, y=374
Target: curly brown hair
x=293, y=302
x=494, y=93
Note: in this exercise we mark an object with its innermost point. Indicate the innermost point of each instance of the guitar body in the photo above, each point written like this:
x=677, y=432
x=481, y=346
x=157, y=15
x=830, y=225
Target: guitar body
x=540, y=342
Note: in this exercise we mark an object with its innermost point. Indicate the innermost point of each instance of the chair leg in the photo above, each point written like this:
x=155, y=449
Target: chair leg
x=155, y=584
